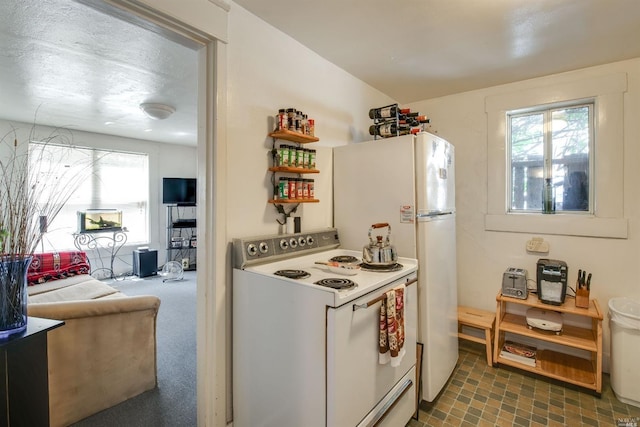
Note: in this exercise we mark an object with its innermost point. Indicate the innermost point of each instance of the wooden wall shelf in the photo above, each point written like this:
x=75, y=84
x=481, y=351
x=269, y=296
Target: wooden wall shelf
x=292, y=170
x=293, y=136
x=285, y=201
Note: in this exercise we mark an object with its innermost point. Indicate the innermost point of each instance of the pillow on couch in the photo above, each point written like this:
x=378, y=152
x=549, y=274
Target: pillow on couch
x=57, y=265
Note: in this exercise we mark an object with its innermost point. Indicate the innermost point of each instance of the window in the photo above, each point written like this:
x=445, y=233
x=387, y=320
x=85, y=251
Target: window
x=605, y=216
x=111, y=180
x=550, y=157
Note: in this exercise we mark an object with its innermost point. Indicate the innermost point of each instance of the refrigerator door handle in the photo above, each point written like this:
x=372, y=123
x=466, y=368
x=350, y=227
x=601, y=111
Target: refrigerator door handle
x=435, y=213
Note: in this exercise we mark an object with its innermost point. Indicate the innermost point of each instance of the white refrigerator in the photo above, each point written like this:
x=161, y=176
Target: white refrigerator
x=409, y=183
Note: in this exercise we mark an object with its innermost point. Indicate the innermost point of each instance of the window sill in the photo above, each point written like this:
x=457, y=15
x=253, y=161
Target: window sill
x=560, y=224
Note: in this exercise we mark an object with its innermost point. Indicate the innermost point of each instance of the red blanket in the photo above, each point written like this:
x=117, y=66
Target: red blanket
x=57, y=265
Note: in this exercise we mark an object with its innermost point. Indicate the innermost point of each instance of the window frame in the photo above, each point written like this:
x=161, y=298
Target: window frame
x=607, y=219
x=547, y=111
x=143, y=238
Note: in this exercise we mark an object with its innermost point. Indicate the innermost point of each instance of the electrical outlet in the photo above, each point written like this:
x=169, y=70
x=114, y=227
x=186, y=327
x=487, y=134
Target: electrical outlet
x=537, y=245
x=185, y=262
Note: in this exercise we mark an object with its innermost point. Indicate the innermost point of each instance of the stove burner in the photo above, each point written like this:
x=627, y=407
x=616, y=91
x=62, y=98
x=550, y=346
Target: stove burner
x=336, y=283
x=346, y=259
x=381, y=268
x=292, y=274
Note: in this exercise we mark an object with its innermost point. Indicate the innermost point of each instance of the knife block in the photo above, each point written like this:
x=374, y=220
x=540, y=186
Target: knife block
x=582, y=298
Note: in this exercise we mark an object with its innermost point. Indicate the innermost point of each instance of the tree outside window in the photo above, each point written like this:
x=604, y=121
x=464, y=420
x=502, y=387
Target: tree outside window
x=553, y=144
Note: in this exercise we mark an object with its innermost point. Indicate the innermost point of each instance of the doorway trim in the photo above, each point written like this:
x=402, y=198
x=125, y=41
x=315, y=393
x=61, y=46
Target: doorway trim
x=204, y=22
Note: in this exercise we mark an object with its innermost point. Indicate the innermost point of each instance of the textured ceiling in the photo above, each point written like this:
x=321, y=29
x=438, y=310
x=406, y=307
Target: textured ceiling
x=66, y=63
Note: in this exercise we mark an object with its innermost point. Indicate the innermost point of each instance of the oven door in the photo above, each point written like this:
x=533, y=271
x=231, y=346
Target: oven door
x=358, y=386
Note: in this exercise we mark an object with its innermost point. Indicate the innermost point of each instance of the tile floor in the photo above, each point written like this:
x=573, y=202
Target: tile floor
x=480, y=395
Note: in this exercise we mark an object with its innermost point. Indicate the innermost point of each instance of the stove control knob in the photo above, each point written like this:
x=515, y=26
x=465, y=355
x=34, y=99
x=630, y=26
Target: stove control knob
x=264, y=247
x=293, y=243
x=310, y=240
x=302, y=241
x=252, y=250
x=284, y=244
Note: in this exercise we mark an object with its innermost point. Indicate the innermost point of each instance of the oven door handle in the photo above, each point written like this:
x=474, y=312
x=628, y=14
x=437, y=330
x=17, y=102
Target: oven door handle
x=391, y=403
x=378, y=299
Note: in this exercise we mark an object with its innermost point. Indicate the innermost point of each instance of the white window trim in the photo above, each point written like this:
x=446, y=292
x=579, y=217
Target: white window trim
x=608, y=218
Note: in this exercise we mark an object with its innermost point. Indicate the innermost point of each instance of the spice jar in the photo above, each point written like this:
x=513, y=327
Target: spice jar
x=292, y=188
x=312, y=126
x=300, y=157
x=282, y=155
x=291, y=118
x=283, y=188
x=281, y=120
x=299, y=188
x=312, y=159
x=312, y=193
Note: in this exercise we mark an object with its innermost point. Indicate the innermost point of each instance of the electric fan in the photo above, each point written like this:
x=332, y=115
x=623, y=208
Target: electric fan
x=172, y=270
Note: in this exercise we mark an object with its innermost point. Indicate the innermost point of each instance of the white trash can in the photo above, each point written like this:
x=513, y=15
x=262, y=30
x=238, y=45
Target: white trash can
x=624, y=322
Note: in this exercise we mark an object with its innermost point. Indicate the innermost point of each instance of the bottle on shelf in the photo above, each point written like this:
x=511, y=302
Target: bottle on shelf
x=291, y=119
x=312, y=127
x=387, y=112
x=312, y=158
x=283, y=188
x=282, y=120
x=389, y=129
x=548, y=197
x=409, y=122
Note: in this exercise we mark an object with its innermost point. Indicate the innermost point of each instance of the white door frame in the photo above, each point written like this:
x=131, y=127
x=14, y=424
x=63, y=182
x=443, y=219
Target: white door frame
x=205, y=22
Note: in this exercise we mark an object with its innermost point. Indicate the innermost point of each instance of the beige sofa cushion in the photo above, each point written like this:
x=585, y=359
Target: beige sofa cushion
x=105, y=352
x=87, y=290
x=59, y=284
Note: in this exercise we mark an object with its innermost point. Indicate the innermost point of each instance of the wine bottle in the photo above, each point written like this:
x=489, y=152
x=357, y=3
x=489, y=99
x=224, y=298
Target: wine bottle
x=387, y=112
x=409, y=122
x=388, y=129
x=384, y=112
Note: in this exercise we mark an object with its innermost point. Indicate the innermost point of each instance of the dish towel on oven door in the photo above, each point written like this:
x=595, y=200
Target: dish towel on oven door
x=392, y=327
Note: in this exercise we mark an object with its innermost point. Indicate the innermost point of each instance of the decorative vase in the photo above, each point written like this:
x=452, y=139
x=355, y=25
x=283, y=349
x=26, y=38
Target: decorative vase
x=13, y=295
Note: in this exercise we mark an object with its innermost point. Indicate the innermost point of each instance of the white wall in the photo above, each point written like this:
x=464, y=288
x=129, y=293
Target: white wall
x=484, y=255
x=268, y=70
x=164, y=160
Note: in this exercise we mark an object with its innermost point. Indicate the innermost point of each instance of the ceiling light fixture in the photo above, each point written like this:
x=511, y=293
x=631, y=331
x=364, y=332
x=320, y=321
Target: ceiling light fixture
x=157, y=111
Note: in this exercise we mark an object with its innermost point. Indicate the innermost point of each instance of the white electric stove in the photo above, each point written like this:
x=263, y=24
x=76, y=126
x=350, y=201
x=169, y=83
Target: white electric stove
x=305, y=345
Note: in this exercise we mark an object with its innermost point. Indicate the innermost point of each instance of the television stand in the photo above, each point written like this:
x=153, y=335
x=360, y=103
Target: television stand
x=182, y=235
x=98, y=243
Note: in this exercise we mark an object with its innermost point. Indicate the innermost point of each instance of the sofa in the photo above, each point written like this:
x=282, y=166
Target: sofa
x=106, y=351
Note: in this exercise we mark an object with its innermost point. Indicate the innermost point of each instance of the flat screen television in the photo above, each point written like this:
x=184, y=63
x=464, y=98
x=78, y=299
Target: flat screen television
x=179, y=191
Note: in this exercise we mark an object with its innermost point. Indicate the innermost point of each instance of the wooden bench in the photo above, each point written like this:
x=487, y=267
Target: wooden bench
x=478, y=319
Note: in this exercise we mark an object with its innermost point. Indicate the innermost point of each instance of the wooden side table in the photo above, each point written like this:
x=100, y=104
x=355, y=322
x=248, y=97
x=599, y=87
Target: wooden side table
x=558, y=365
x=24, y=375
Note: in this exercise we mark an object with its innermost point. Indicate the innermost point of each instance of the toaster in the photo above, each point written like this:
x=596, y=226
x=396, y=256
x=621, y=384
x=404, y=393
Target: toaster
x=514, y=283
